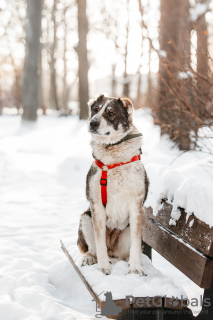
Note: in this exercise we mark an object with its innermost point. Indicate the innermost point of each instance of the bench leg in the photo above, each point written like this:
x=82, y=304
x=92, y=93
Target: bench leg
x=207, y=309
x=147, y=250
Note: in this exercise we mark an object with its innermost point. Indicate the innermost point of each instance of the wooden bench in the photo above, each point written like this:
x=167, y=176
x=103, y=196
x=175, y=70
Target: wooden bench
x=189, y=247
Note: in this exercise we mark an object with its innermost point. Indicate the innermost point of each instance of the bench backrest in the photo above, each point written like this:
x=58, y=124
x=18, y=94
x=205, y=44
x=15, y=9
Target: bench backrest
x=187, y=245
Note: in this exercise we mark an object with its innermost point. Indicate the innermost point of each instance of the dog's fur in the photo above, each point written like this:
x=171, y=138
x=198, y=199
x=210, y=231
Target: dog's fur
x=114, y=231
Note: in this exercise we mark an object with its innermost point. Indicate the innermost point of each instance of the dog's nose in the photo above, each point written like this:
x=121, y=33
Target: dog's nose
x=94, y=124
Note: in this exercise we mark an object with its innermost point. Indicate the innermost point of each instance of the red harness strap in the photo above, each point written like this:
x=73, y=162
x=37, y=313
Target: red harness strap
x=103, y=181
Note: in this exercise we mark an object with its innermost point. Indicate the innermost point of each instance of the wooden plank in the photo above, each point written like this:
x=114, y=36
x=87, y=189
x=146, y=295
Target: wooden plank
x=150, y=302
x=188, y=260
x=86, y=283
x=139, y=302
x=175, y=304
x=199, y=235
x=147, y=302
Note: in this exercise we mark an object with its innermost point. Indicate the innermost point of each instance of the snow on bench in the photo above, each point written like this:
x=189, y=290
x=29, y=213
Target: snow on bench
x=129, y=290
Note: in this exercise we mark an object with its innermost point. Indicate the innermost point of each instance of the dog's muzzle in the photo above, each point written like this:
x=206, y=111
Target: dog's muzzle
x=94, y=124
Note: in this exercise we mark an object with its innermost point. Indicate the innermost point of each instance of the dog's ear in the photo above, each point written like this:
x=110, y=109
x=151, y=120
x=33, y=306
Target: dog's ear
x=101, y=96
x=97, y=98
x=128, y=104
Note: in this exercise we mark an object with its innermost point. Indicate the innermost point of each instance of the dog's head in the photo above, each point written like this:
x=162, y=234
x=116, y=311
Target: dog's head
x=110, y=118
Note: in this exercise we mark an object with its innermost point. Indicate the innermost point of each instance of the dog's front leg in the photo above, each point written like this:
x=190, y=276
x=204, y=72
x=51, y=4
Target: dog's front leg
x=99, y=223
x=136, y=217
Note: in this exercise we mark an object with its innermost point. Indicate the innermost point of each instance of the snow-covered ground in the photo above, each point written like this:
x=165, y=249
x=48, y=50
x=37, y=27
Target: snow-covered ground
x=42, y=194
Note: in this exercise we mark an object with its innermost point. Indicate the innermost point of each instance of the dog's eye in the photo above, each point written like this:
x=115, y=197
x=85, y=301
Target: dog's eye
x=111, y=113
x=96, y=110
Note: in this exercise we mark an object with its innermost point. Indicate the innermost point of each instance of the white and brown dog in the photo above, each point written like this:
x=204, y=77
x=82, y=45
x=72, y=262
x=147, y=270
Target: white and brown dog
x=116, y=187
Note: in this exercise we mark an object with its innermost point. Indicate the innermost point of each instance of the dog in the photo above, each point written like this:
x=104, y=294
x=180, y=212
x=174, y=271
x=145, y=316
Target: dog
x=112, y=225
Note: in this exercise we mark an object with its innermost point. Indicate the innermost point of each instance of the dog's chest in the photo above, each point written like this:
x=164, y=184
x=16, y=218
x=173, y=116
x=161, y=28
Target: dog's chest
x=125, y=186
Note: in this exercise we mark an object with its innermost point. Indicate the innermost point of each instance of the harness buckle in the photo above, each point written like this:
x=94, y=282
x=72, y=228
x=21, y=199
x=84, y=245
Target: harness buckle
x=103, y=182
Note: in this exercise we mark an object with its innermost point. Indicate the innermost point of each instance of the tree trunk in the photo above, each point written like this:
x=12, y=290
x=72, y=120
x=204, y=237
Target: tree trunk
x=125, y=76
x=17, y=87
x=140, y=79
x=1, y=106
x=175, y=45
x=41, y=95
x=149, y=90
x=183, y=138
x=65, y=89
x=202, y=62
x=140, y=84
x=82, y=58
x=30, y=77
x=113, y=82
x=54, y=93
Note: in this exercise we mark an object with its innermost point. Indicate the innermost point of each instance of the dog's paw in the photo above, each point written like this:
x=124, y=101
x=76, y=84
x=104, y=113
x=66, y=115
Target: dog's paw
x=88, y=259
x=105, y=270
x=138, y=271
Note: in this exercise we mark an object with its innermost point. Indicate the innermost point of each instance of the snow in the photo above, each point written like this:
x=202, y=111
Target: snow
x=191, y=223
x=185, y=179
x=42, y=187
x=122, y=284
x=199, y=10
x=162, y=53
x=185, y=75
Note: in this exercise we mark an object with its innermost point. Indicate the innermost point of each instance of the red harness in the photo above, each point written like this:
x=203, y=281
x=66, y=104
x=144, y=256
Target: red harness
x=103, y=181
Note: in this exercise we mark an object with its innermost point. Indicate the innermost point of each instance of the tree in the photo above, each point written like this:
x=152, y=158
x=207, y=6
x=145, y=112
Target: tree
x=32, y=50
x=65, y=89
x=41, y=83
x=53, y=91
x=82, y=58
x=13, y=33
x=125, y=75
x=174, y=41
x=202, y=57
x=110, y=26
